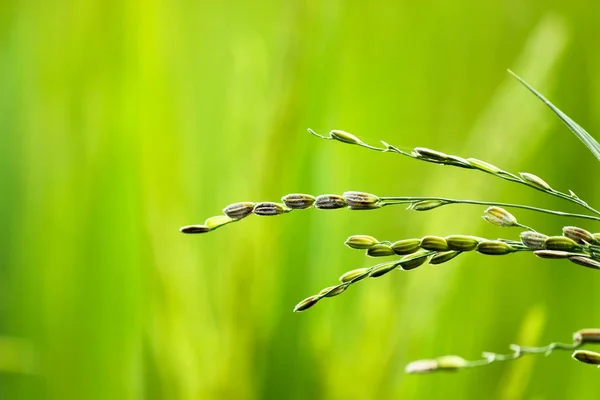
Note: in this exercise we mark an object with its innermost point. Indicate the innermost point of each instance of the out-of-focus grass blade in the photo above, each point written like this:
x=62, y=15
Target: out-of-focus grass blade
x=581, y=133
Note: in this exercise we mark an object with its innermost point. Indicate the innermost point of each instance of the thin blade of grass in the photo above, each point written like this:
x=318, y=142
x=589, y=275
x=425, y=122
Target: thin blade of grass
x=581, y=133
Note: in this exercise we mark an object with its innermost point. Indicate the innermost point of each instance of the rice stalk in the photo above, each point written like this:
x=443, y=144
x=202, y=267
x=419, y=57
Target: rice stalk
x=574, y=245
x=453, y=363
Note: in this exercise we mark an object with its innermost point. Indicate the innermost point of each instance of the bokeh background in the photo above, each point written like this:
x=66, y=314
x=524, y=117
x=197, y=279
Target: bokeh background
x=123, y=120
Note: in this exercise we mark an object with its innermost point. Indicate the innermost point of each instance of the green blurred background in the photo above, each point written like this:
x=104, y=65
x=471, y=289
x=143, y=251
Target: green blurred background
x=123, y=120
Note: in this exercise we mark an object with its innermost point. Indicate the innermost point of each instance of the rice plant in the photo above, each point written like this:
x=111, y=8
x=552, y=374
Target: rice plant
x=574, y=244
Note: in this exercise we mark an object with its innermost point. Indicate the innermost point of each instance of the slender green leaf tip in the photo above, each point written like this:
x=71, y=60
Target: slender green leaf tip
x=581, y=133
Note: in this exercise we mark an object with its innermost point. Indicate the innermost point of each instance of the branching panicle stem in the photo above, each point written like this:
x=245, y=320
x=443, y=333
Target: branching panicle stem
x=575, y=245
x=386, y=201
x=436, y=157
x=446, y=363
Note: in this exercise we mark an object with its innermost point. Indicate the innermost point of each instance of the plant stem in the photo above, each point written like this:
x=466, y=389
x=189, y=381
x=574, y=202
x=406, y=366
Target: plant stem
x=520, y=351
x=411, y=200
x=465, y=164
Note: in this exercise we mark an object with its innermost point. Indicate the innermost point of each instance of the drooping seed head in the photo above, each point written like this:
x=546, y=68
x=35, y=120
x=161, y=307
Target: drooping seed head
x=344, y=137
x=494, y=248
x=238, y=210
x=500, y=217
x=268, y=208
x=306, y=303
x=217, y=221
x=431, y=154
x=535, y=180
x=585, y=336
x=434, y=243
x=552, y=254
x=380, y=250
x=361, y=242
x=426, y=205
x=362, y=201
x=354, y=275
x=443, y=257
x=414, y=260
x=462, y=242
x=406, y=246
x=483, y=166
x=560, y=243
x=421, y=367
x=451, y=362
x=383, y=269
x=533, y=240
x=298, y=201
x=587, y=356
x=194, y=229
x=579, y=235
x=329, y=202
x=584, y=261
x=332, y=290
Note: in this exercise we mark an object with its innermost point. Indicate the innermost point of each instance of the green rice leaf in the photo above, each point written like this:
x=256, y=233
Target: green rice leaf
x=581, y=133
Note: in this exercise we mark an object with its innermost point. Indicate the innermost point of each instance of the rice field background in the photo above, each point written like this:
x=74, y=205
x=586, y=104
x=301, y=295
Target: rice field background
x=123, y=120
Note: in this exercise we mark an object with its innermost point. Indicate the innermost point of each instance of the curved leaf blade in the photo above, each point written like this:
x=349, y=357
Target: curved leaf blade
x=581, y=133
